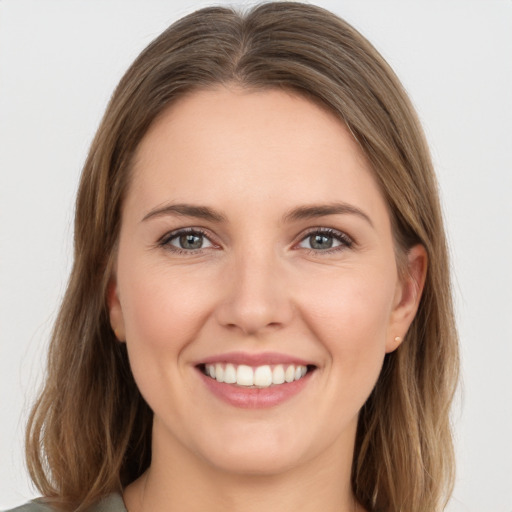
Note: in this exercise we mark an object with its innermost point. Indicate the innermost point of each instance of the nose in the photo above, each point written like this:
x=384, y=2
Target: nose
x=255, y=297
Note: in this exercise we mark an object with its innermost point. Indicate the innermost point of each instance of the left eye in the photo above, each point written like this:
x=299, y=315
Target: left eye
x=188, y=241
x=323, y=241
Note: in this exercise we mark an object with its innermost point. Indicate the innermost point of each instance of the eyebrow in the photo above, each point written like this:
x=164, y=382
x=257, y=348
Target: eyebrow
x=322, y=210
x=185, y=210
x=300, y=213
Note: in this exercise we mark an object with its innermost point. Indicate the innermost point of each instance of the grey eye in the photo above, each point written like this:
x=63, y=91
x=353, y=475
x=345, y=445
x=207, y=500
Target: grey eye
x=321, y=241
x=325, y=240
x=190, y=241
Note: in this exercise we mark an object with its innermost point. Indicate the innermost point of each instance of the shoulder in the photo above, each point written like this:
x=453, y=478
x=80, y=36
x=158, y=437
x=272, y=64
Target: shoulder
x=111, y=503
x=32, y=506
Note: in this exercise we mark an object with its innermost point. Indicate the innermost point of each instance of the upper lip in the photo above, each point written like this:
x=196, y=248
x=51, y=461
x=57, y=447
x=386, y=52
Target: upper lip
x=256, y=359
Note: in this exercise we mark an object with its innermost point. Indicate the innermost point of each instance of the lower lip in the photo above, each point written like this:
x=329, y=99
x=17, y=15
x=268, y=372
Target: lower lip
x=255, y=398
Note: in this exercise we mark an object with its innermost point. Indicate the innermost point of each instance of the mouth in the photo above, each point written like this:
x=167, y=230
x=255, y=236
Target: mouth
x=255, y=380
x=258, y=377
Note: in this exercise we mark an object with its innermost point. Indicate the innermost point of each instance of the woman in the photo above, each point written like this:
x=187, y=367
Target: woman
x=259, y=312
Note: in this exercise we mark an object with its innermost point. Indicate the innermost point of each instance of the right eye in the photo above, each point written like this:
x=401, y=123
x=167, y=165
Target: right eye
x=186, y=240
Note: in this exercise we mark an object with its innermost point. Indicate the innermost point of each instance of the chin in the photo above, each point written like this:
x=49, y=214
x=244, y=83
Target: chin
x=257, y=448
x=254, y=462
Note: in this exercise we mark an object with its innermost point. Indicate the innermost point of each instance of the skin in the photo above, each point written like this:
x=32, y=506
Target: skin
x=256, y=285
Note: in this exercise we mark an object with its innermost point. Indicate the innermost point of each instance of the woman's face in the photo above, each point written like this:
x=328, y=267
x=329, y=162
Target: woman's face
x=255, y=246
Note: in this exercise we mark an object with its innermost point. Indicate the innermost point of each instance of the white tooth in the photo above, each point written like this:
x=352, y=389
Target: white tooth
x=229, y=374
x=219, y=373
x=210, y=370
x=289, y=374
x=303, y=370
x=298, y=373
x=263, y=376
x=244, y=375
x=278, y=374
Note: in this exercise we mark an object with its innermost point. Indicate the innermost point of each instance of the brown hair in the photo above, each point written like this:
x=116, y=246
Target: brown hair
x=90, y=431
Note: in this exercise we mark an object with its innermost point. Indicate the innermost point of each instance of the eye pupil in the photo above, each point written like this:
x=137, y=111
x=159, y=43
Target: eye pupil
x=319, y=241
x=191, y=241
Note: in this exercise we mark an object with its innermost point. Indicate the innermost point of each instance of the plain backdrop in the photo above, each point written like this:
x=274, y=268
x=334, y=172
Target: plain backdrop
x=59, y=62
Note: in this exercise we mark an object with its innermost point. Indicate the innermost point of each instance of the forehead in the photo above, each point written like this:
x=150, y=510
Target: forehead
x=224, y=143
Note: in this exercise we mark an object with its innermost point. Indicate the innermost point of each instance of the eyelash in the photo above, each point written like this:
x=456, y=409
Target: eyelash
x=346, y=242
x=164, y=242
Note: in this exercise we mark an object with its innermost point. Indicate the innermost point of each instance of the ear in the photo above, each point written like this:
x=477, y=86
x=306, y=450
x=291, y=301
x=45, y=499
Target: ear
x=115, y=310
x=407, y=296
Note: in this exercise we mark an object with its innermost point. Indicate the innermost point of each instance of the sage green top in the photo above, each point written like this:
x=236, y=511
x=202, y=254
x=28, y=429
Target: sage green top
x=111, y=503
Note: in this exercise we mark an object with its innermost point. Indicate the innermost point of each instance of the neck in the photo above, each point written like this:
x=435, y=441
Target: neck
x=177, y=481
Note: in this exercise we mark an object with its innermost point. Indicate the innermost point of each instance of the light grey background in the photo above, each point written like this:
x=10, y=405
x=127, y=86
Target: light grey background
x=59, y=62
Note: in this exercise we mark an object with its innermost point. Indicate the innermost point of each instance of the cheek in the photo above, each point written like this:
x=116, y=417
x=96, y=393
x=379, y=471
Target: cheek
x=160, y=306
x=352, y=302
x=163, y=312
x=350, y=315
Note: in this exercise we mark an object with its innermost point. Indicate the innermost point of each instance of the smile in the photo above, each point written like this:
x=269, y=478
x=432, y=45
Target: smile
x=263, y=376
x=255, y=381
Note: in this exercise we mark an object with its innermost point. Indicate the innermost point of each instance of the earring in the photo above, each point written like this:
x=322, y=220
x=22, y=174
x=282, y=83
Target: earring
x=398, y=339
